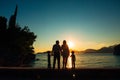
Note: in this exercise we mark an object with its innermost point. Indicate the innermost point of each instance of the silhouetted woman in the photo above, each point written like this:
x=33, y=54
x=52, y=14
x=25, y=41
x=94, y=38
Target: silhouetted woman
x=65, y=53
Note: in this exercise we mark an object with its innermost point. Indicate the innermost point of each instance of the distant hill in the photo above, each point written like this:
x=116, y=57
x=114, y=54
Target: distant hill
x=109, y=49
x=89, y=51
x=117, y=50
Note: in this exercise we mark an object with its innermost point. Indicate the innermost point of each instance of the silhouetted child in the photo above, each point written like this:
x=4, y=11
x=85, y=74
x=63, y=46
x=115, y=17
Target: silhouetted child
x=49, y=59
x=73, y=59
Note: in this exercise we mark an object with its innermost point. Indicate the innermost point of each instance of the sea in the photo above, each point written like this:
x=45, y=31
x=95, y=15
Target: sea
x=86, y=60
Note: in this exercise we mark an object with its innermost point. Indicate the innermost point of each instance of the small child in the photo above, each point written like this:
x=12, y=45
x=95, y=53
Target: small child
x=49, y=59
x=73, y=59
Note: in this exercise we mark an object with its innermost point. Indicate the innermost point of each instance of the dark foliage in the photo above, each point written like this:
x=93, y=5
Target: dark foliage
x=117, y=49
x=16, y=44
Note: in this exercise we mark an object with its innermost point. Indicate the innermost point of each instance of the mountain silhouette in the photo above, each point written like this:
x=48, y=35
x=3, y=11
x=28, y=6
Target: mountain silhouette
x=109, y=49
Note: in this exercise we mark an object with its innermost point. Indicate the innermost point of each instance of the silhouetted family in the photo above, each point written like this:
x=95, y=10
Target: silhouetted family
x=57, y=51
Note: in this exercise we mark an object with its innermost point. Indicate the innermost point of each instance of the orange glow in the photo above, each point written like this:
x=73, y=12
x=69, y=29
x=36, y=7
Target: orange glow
x=73, y=43
x=70, y=44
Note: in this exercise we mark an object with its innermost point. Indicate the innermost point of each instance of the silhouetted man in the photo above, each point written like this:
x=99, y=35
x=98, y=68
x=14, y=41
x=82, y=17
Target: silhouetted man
x=56, y=51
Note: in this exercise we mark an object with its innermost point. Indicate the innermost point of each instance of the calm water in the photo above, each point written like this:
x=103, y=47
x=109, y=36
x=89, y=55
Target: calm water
x=89, y=60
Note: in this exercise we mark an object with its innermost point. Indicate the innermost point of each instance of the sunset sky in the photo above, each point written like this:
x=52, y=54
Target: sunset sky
x=86, y=23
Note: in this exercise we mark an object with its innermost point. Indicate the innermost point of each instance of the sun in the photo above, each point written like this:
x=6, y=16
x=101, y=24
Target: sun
x=70, y=44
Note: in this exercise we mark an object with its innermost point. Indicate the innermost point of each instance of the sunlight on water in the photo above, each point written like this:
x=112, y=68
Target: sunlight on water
x=69, y=64
x=92, y=60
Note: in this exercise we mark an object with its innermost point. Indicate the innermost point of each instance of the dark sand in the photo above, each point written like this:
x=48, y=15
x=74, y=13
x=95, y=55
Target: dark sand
x=27, y=73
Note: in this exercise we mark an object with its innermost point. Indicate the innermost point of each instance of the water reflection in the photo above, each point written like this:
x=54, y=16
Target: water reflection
x=92, y=60
x=117, y=61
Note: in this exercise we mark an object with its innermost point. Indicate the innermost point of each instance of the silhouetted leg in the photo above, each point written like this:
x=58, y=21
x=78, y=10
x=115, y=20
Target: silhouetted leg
x=58, y=62
x=74, y=65
x=66, y=61
x=63, y=62
x=49, y=62
x=54, y=62
x=49, y=65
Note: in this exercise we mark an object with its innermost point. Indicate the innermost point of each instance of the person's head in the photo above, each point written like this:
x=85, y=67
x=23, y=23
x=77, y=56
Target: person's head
x=64, y=41
x=72, y=52
x=57, y=42
x=48, y=52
